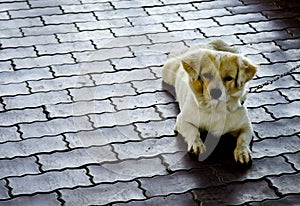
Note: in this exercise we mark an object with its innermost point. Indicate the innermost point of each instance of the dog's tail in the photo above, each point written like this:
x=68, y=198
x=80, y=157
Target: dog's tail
x=220, y=45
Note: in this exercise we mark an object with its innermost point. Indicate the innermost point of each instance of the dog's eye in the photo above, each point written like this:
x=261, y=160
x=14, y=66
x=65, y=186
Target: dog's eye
x=207, y=75
x=228, y=79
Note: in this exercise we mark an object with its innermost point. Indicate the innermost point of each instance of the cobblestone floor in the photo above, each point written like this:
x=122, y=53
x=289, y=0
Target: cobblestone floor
x=85, y=119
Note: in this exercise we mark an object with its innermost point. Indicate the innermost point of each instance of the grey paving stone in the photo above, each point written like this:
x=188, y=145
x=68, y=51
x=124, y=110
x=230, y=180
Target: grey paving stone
x=257, y=115
x=24, y=75
x=241, y=18
x=9, y=134
x=256, y=7
x=44, y=61
x=13, y=117
x=121, y=191
x=49, y=181
x=76, y=158
x=282, y=56
x=84, y=35
x=102, y=136
x=142, y=61
x=274, y=147
x=18, y=167
x=236, y=193
x=63, y=48
x=288, y=183
x=86, y=7
x=284, y=127
x=121, y=13
x=180, y=161
x=289, y=44
x=174, y=36
x=149, y=147
x=178, y=199
x=228, y=30
x=133, y=4
x=31, y=146
x=141, y=100
x=190, y=24
x=3, y=190
x=60, y=83
x=124, y=117
x=82, y=68
x=264, y=36
x=156, y=49
x=179, y=182
x=4, y=15
x=259, y=169
x=49, y=3
x=291, y=93
x=127, y=170
x=35, y=200
x=50, y=29
x=122, y=76
x=6, y=66
x=28, y=41
x=37, y=99
x=17, y=23
x=169, y=110
x=204, y=14
x=154, y=19
x=7, y=54
x=170, y=9
x=285, y=110
x=217, y=5
x=102, y=92
x=287, y=200
x=102, y=54
x=294, y=159
x=148, y=86
x=14, y=6
x=79, y=108
x=122, y=41
x=156, y=128
x=9, y=33
x=69, y=18
x=34, y=12
x=13, y=89
x=103, y=24
x=138, y=30
x=264, y=98
x=55, y=126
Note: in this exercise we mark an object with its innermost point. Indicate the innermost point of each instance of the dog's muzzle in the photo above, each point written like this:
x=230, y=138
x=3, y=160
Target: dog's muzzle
x=215, y=93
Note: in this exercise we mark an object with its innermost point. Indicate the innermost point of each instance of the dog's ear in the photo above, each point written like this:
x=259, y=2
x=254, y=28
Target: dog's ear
x=247, y=70
x=189, y=65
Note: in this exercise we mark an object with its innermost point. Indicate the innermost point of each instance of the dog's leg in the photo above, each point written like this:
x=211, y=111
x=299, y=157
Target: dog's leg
x=191, y=135
x=242, y=151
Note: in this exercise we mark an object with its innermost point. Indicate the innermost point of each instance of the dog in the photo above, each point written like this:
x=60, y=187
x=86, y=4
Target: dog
x=209, y=81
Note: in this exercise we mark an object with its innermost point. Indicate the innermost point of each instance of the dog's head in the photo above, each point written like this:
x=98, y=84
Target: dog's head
x=217, y=76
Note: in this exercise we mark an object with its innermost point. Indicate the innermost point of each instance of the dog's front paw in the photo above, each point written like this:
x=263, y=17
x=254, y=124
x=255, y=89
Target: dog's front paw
x=197, y=147
x=242, y=154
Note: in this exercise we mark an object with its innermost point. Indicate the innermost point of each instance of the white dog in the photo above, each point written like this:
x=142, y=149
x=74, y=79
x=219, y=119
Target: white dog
x=209, y=82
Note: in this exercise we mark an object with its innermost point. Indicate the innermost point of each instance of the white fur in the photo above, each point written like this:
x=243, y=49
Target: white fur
x=216, y=116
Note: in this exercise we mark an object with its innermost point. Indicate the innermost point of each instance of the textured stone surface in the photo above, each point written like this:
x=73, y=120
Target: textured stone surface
x=86, y=120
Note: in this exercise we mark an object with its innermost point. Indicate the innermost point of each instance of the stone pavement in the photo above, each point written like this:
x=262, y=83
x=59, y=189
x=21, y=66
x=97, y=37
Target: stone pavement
x=85, y=119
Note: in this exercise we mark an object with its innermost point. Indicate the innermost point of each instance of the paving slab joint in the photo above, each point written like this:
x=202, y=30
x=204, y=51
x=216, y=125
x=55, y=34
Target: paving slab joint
x=37, y=161
x=91, y=177
x=140, y=186
x=59, y=198
x=275, y=189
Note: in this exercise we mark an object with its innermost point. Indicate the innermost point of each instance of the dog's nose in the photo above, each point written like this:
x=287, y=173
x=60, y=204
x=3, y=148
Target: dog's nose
x=215, y=93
